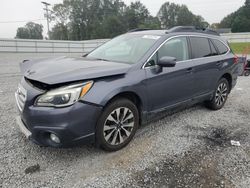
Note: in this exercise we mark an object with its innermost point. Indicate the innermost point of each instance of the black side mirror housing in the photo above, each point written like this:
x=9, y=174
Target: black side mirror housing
x=167, y=61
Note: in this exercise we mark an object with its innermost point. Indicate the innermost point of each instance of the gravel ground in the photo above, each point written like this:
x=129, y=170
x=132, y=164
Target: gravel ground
x=188, y=148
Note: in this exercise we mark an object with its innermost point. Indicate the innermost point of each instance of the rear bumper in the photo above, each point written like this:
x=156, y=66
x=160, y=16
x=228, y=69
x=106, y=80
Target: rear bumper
x=234, y=82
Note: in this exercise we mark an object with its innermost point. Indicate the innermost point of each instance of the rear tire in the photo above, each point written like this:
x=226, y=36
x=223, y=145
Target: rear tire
x=247, y=73
x=117, y=125
x=220, y=95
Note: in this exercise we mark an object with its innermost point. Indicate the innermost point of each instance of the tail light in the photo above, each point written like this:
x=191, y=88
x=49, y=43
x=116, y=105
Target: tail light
x=236, y=59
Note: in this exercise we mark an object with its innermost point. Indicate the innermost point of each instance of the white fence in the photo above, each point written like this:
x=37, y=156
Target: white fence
x=56, y=46
x=48, y=46
x=237, y=37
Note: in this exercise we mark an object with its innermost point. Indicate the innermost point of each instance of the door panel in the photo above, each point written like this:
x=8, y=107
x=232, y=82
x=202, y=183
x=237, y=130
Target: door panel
x=171, y=86
x=206, y=64
x=168, y=86
x=206, y=74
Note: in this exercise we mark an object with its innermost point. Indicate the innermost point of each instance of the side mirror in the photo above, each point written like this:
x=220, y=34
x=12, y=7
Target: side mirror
x=167, y=61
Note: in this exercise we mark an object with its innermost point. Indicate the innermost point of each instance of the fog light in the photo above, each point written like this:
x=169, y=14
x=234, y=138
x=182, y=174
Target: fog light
x=55, y=138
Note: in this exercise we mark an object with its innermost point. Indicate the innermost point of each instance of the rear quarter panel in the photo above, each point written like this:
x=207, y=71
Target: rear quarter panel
x=228, y=66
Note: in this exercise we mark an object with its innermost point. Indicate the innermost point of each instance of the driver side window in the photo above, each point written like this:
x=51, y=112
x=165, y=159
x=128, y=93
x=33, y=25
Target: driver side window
x=176, y=47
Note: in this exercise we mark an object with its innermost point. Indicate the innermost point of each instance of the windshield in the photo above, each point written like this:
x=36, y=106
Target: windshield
x=128, y=48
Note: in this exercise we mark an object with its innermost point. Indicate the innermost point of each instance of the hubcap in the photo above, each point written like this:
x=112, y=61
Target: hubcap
x=221, y=94
x=118, y=126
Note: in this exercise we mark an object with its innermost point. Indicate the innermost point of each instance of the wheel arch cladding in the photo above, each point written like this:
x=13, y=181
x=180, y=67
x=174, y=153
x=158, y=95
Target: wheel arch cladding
x=229, y=79
x=133, y=97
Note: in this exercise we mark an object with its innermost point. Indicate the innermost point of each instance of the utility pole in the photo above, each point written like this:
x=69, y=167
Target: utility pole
x=47, y=14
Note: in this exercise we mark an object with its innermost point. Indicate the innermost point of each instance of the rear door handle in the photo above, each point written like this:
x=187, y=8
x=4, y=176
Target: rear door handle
x=189, y=70
x=218, y=63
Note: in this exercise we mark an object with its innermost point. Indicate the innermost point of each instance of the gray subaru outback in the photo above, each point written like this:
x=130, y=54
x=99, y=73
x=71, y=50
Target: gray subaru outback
x=106, y=95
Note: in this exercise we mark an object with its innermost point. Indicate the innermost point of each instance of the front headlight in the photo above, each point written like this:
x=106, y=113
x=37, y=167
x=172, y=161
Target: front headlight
x=64, y=96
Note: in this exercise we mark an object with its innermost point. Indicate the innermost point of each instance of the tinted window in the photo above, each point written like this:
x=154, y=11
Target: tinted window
x=200, y=47
x=221, y=47
x=213, y=49
x=176, y=47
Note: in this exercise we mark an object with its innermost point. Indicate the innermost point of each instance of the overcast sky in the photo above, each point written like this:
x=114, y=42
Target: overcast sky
x=12, y=11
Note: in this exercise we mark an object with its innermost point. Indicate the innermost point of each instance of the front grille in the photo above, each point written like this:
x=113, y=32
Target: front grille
x=21, y=96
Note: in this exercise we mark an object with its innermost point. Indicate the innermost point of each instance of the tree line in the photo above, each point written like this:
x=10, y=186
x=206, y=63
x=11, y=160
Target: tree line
x=238, y=21
x=91, y=19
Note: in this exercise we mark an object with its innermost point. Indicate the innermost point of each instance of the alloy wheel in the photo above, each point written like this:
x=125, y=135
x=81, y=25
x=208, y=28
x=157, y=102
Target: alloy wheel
x=118, y=126
x=221, y=94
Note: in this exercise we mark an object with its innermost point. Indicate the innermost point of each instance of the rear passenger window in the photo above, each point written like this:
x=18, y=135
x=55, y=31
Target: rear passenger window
x=213, y=49
x=200, y=47
x=221, y=47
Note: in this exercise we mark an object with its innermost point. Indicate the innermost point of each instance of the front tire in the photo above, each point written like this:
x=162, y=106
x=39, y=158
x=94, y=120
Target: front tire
x=220, y=95
x=117, y=125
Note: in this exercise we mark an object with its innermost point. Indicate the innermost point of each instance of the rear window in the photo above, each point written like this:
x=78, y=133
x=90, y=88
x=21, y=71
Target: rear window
x=200, y=47
x=220, y=46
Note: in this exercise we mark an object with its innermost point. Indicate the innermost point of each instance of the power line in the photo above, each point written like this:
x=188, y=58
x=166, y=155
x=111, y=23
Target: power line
x=20, y=21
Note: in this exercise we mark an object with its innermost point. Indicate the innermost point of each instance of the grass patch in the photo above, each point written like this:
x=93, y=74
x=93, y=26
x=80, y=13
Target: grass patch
x=240, y=47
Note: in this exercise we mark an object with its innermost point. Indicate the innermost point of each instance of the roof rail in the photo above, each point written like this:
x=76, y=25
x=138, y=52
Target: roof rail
x=211, y=31
x=138, y=29
x=192, y=29
x=182, y=29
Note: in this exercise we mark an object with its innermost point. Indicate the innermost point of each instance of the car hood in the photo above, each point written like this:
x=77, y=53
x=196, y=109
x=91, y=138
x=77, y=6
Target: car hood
x=60, y=70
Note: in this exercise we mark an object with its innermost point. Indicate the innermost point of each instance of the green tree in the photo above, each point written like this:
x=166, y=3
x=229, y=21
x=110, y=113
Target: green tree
x=241, y=24
x=22, y=33
x=214, y=25
x=60, y=14
x=199, y=22
x=136, y=15
x=59, y=32
x=184, y=16
x=151, y=23
x=227, y=21
x=247, y=3
x=239, y=21
x=30, y=31
x=168, y=14
x=171, y=14
x=88, y=19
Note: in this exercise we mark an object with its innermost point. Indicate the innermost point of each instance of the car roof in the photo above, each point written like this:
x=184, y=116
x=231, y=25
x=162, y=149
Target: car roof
x=179, y=30
x=149, y=32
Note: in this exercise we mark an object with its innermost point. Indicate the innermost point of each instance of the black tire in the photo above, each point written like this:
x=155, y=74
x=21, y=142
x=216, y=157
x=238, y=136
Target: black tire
x=219, y=98
x=247, y=73
x=125, y=109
